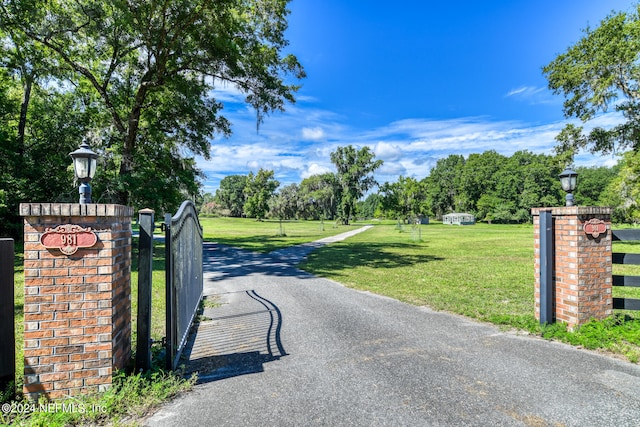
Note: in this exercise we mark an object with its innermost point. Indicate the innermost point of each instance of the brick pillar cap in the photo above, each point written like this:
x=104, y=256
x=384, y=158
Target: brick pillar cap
x=573, y=210
x=75, y=209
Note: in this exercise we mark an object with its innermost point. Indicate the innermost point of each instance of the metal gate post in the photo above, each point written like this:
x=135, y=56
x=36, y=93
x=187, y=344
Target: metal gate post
x=7, y=316
x=169, y=335
x=546, y=268
x=145, y=273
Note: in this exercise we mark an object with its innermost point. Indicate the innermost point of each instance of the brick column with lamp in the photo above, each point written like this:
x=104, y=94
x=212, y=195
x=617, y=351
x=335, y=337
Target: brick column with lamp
x=77, y=296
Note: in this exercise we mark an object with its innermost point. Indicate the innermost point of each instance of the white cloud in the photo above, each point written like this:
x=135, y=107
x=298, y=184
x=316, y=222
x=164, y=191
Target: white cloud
x=533, y=95
x=525, y=91
x=315, y=169
x=387, y=151
x=227, y=92
x=391, y=169
x=312, y=134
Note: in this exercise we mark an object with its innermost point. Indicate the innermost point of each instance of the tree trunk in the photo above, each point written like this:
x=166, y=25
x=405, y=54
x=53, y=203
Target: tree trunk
x=24, y=107
x=128, y=147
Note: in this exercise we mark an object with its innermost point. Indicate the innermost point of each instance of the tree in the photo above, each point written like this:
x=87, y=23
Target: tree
x=8, y=155
x=623, y=192
x=524, y=181
x=479, y=176
x=287, y=204
x=207, y=205
x=493, y=187
x=592, y=184
x=403, y=199
x=39, y=170
x=540, y=184
x=599, y=72
x=323, y=192
x=231, y=194
x=258, y=190
x=355, y=175
x=370, y=206
x=149, y=68
x=444, y=185
x=487, y=206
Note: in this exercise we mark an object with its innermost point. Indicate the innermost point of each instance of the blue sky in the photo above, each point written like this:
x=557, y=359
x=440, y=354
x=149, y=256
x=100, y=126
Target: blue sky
x=416, y=81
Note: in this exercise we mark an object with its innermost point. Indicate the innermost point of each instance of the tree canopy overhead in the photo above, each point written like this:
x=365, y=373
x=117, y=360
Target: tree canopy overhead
x=600, y=72
x=146, y=70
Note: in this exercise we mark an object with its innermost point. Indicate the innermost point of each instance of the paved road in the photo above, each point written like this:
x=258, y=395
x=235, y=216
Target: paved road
x=289, y=349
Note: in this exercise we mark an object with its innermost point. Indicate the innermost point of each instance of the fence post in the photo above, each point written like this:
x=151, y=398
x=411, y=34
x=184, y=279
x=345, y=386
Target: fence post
x=145, y=280
x=7, y=316
x=547, y=296
x=169, y=335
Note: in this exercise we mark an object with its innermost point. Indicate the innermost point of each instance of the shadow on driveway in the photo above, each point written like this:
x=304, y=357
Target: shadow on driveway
x=236, y=338
x=224, y=262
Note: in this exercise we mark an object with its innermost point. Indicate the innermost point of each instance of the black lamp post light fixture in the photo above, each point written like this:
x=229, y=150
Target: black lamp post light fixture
x=84, y=165
x=568, y=180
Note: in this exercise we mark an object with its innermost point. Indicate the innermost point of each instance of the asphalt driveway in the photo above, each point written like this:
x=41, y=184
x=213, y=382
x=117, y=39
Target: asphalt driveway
x=286, y=348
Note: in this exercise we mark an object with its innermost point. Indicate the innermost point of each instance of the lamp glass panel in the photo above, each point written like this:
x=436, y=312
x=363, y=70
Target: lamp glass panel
x=572, y=182
x=92, y=167
x=565, y=181
x=82, y=167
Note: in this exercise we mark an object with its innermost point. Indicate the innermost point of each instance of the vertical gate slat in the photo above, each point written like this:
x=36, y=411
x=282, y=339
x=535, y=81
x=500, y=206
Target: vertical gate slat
x=168, y=292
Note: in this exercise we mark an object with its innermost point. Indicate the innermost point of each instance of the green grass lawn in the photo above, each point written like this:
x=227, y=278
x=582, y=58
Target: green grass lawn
x=18, y=280
x=266, y=236
x=158, y=293
x=482, y=271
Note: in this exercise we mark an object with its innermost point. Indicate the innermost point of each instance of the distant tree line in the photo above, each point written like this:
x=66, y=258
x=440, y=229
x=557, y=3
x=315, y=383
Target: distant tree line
x=316, y=197
x=493, y=187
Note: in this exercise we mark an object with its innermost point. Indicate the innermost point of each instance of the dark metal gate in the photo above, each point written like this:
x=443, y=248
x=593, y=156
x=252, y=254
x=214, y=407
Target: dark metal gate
x=7, y=315
x=183, y=243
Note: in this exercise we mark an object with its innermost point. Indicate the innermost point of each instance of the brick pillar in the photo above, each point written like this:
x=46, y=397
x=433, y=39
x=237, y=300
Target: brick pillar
x=582, y=264
x=77, y=307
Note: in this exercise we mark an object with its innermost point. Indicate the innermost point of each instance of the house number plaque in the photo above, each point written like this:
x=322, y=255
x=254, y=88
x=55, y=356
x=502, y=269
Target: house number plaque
x=595, y=227
x=68, y=238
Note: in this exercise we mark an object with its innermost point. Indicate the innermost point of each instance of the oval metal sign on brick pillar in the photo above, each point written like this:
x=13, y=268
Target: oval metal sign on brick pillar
x=68, y=238
x=595, y=227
